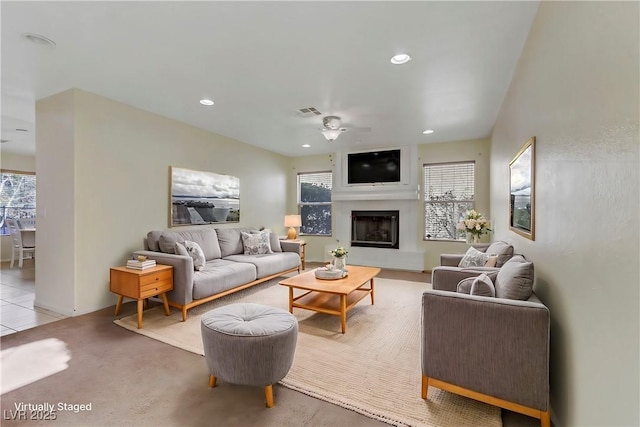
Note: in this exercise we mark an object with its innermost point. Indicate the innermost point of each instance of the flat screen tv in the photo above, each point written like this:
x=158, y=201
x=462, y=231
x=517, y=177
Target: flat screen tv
x=373, y=167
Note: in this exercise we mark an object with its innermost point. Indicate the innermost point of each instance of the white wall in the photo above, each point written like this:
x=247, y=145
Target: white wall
x=20, y=163
x=105, y=177
x=576, y=89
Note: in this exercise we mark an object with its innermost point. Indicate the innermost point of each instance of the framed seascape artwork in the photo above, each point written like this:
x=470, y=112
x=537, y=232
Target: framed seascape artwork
x=522, y=194
x=203, y=198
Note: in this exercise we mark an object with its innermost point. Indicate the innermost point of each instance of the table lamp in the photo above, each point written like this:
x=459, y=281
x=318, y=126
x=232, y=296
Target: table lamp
x=292, y=221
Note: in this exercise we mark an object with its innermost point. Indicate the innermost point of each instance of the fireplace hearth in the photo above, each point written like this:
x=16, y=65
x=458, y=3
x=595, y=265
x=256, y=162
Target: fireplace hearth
x=375, y=229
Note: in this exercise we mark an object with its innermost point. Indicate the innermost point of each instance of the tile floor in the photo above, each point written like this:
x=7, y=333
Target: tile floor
x=17, y=294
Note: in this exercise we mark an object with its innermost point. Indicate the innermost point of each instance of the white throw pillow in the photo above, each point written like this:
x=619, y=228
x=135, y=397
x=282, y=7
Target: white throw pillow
x=195, y=252
x=473, y=258
x=256, y=243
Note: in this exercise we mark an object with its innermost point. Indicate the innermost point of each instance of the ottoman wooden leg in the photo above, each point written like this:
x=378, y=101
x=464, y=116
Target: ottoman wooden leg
x=268, y=392
x=212, y=381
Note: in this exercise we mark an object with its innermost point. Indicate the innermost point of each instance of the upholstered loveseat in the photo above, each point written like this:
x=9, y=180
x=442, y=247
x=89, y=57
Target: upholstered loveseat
x=447, y=275
x=227, y=268
x=489, y=340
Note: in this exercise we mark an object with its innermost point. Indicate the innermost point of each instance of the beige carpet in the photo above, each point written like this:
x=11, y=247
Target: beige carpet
x=373, y=369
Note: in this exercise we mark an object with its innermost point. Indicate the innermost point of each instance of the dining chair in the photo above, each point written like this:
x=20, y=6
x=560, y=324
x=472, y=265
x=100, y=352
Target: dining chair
x=18, y=248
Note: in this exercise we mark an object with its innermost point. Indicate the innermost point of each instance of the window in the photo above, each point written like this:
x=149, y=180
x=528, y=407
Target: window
x=449, y=191
x=17, y=196
x=314, y=202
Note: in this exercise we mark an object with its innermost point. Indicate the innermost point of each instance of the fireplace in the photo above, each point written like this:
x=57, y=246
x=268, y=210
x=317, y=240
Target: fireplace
x=375, y=229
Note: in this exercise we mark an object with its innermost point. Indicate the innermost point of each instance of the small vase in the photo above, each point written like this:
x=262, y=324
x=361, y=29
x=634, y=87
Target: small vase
x=469, y=238
x=340, y=263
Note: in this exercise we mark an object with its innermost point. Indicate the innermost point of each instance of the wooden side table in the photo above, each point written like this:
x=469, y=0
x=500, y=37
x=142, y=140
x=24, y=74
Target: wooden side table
x=140, y=285
x=303, y=246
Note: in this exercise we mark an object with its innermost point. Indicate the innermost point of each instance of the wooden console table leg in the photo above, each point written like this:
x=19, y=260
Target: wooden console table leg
x=119, y=304
x=343, y=312
x=165, y=302
x=140, y=304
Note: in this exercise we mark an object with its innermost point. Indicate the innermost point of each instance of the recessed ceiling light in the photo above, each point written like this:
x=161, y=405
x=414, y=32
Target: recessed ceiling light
x=428, y=131
x=306, y=145
x=39, y=39
x=401, y=58
x=206, y=101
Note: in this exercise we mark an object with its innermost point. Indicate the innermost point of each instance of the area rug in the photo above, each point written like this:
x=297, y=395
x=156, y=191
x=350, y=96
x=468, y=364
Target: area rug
x=373, y=369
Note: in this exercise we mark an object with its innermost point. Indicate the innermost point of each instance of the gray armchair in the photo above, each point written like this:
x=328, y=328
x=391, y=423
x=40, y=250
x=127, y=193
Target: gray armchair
x=447, y=275
x=495, y=350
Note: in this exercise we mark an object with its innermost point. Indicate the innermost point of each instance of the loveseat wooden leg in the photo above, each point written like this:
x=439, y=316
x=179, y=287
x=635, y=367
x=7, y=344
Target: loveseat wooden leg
x=425, y=386
x=212, y=381
x=545, y=419
x=184, y=313
x=268, y=393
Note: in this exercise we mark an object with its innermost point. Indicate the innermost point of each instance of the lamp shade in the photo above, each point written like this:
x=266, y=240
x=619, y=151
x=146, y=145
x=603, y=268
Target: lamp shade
x=292, y=221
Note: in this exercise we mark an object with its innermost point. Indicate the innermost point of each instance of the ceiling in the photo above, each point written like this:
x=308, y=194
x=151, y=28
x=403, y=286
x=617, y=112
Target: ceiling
x=260, y=62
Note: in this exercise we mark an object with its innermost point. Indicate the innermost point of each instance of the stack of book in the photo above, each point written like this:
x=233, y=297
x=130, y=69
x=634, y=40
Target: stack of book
x=141, y=265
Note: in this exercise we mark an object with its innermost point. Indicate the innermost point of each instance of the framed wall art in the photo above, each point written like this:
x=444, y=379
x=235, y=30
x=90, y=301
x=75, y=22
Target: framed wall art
x=203, y=198
x=522, y=194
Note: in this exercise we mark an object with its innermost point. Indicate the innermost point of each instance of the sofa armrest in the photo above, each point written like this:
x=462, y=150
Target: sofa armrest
x=494, y=346
x=182, y=292
x=290, y=247
x=450, y=260
x=447, y=278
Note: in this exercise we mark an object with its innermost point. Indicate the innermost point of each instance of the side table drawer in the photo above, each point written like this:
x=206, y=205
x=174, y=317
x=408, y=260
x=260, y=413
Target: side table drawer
x=155, y=277
x=155, y=288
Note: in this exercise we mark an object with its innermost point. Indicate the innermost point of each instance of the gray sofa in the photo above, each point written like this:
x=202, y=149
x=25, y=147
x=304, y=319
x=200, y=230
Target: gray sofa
x=227, y=268
x=494, y=349
x=447, y=275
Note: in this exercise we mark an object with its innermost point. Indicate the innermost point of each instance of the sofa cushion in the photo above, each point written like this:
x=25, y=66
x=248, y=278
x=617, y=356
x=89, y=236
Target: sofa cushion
x=503, y=250
x=206, y=238
x=256, y=243
x=483, y=286
x=230, y=240
x=473, y=258
x=195, y=252
x=268, y=264
x=221, y=275
x=515, y=279
x=152, y=240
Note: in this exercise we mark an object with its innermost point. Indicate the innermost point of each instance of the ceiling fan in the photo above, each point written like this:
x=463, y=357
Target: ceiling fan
x=332, y=129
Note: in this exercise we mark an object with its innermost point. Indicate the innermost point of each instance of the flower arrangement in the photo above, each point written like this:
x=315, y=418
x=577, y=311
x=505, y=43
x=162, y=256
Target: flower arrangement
x=474, y=223
x=339, y=252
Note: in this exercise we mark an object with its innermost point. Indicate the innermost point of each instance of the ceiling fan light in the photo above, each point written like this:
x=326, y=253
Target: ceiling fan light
x=331, y=134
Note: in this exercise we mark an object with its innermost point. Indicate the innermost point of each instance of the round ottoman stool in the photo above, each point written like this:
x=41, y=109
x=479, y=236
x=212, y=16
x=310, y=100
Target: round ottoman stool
x=249, y=344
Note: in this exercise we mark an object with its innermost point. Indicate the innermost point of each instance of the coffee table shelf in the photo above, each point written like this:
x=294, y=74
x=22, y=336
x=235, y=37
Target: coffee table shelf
x=334, y=297
x=329, y=303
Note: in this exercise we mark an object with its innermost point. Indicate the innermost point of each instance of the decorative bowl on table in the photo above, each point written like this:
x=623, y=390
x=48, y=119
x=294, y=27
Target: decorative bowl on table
x=329, y=273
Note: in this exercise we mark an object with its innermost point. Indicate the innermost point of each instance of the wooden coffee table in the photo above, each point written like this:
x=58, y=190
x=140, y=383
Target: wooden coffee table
x=335, y=297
